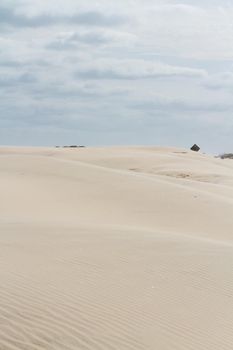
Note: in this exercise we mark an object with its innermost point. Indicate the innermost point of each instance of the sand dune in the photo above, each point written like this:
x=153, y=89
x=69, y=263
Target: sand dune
x=115, y=248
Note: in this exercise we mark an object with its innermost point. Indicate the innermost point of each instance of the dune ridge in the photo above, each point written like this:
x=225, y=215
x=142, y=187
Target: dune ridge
x=115, y=248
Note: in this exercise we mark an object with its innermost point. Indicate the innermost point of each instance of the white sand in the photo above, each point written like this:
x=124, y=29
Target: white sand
x=115, y=248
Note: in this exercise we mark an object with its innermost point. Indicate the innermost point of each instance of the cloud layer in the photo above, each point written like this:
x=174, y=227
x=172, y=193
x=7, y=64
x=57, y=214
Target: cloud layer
x=111, y=72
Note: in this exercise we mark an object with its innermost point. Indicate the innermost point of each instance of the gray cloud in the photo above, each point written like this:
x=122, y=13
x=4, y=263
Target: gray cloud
x=134, y=70
x=222, y=81
x=7, y=80
x=70, y=41
x=93, y=18
x=178, y=106
x=10, y=18
x=10, y=63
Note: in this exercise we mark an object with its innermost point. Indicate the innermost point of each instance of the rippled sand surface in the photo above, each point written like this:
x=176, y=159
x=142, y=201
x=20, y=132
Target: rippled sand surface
x=115, y=248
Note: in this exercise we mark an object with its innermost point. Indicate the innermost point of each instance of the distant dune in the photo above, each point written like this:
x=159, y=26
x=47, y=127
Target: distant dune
x=115, y=248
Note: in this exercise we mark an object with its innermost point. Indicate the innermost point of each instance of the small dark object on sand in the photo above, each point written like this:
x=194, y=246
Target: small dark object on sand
x=195, y=148
x=226, y=156
x=73, y=146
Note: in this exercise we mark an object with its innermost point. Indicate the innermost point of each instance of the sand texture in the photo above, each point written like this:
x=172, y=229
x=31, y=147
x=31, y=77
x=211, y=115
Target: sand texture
x=115, y=248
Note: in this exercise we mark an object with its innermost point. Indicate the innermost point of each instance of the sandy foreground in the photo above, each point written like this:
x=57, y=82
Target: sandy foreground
x=115, y=248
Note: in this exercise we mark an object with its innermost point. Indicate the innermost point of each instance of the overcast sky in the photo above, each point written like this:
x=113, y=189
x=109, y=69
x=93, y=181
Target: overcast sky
x=117, y=72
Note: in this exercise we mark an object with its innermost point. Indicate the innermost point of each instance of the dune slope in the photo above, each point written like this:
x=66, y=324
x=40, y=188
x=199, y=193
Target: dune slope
x=115, y=248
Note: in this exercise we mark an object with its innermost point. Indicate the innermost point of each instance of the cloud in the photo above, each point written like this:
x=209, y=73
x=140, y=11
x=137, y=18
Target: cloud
x=10, y=18
x=12, y=80
x=222, y=81
x=181, y=8
x=71, y=40
x=182, y=106
x=10, y=63
x=93, y=18
x=134, y=70
x=193, y=31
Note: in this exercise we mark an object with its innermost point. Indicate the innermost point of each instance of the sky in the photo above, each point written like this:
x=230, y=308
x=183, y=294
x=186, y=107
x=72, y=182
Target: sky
x=126, y=72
